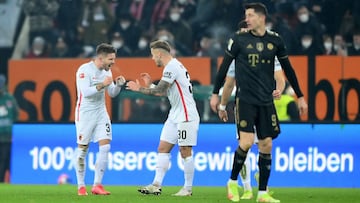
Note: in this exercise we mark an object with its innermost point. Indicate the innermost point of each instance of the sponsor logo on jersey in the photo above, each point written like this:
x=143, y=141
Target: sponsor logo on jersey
x=167, y=75
x=249, y=46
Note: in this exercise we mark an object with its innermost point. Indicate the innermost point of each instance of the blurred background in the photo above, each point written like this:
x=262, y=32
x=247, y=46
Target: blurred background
x=43, y=42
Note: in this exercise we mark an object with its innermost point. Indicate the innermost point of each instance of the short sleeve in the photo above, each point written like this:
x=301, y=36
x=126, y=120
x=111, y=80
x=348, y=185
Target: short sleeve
x=169, y=73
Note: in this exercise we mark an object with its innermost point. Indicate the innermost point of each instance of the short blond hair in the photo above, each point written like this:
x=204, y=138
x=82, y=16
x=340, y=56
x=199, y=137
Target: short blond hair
x=160, y=44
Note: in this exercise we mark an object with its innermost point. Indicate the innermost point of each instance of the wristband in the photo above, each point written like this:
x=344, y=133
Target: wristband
x=152, y=86
x=222, y=107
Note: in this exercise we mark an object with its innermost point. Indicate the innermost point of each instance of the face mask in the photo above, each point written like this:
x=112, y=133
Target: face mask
x=142, y=44
x=202, y=43
x=336, y=47
x=328, y=45
x=304, y=18
x=175, y=17
x=164, y=38
x=182, y=1
x=37, y=52
x=117, y=44
x=306, y=43
x=124, y=25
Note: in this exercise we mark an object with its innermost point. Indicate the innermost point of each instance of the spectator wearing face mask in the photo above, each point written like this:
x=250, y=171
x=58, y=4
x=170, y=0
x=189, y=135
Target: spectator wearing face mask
x=354, y=49
x=187, y=8
x=118, y=42
x=328, y=45
x=308, y=24
x=340, y=46
x=178, y=49
x=179, y=27
x=39, y=48
x=308, y=47
x=94, y=22
x=129, y=30
x=61, y=49
x=143, y=48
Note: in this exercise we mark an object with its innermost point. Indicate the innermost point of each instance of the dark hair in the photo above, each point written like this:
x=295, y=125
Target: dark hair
x=104, y=48
x=258, y=8
x=160, y=44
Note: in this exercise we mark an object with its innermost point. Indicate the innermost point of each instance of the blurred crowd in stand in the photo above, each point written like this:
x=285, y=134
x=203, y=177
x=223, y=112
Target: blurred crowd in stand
x=197, y=28
x=72, y=28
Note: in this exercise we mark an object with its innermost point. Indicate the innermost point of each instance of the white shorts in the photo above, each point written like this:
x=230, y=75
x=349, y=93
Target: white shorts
x=183, y=134
x=93, y=128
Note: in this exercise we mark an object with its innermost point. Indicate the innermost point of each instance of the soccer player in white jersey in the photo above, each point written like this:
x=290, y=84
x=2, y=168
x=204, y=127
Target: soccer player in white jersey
x=229, y=85
x=91, y=117
x=182, y=124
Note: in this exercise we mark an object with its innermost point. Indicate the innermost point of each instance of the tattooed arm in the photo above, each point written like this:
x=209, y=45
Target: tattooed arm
x=159, y=90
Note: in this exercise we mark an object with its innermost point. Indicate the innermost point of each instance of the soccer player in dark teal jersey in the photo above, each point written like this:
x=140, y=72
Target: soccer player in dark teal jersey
x=254, y=53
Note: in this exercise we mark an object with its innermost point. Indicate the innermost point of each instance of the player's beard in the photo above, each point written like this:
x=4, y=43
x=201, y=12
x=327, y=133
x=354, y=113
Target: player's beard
x=159, y=63
x=107, y=66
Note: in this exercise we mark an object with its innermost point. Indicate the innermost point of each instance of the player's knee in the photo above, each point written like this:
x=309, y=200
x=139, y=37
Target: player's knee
x=265, y=145
x=185, y=152
x=82, y=152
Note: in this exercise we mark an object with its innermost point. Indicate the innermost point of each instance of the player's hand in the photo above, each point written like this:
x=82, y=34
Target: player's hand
x=302, y=105
x=120, y=81
x=134, y=86
x=276, y=94
x=108, y=80
x=146, y=78
x=214, y=102
x=223, y=115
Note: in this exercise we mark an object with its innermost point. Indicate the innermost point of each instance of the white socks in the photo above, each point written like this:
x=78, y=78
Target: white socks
x=101, y=163
x=80, y=165
x=189, y=169
x=162, y=165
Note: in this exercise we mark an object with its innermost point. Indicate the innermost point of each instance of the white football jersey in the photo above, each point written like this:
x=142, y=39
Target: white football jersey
x=183, y=106
x=88, y=97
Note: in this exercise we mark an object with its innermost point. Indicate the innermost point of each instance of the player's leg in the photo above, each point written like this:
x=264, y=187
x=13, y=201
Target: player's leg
x=187, y=139
x=267, y=130
x=84, y=131
x=168, y=139
x=102, y=135
x=244, y=119
x=5, y=153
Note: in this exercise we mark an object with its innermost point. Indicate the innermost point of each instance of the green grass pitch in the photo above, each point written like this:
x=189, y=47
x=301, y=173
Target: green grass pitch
x=10, y=193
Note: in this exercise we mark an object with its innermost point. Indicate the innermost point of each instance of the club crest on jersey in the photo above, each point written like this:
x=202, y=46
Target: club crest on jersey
x=81, y=75
x=167, y=75
x=270, y=46
x=260, y=46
